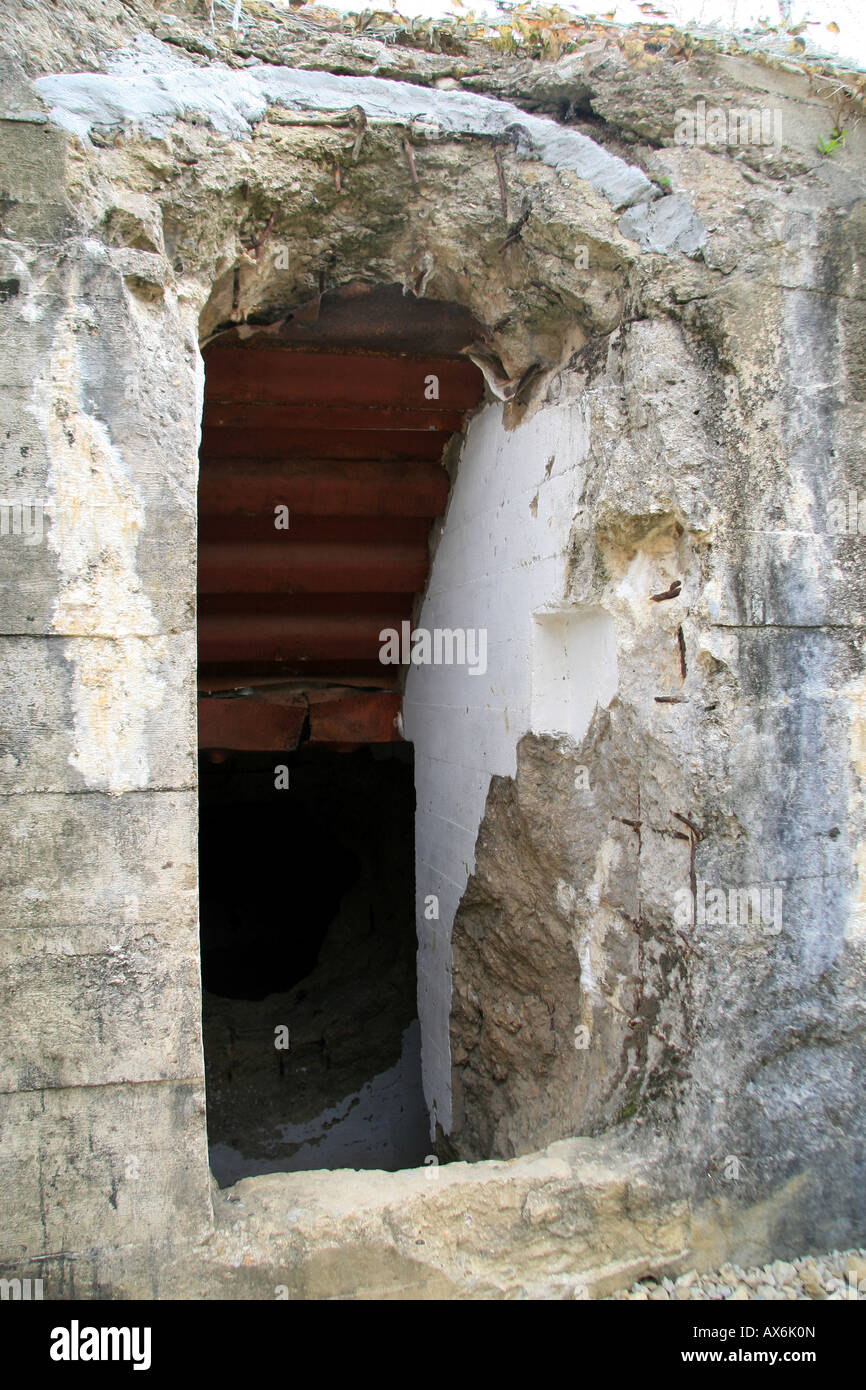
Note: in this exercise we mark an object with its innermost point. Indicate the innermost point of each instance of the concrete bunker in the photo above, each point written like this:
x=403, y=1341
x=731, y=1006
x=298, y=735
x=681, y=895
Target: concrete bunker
x=647, y=485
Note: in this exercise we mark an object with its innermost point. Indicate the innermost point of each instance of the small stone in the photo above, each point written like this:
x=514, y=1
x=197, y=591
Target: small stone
x=741, y=1294
x=812, y=1284
x=660, y=1295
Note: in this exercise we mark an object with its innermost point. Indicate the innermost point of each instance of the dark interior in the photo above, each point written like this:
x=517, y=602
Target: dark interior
x=307, y=924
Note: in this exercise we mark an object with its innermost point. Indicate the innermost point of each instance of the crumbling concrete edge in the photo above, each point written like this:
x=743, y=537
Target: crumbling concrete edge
x=149, y=87
x=579, y=1219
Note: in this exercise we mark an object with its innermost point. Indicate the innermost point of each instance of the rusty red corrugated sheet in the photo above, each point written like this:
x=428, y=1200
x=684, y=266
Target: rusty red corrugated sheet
x=345, y=448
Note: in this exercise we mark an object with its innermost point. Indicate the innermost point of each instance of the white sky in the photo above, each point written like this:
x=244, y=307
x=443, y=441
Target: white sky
x=849, y=15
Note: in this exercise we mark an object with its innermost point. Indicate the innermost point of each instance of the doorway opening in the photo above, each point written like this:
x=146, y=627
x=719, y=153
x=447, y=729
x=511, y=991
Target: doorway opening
x=320, y=475
x=312, y=1043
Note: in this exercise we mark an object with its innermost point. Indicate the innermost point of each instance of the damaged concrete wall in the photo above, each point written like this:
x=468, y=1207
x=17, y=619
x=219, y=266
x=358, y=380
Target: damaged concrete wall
x=675, y=361
x=609, y=961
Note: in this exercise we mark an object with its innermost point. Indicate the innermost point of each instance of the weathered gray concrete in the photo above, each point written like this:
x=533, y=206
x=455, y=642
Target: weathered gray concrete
x=716, y=340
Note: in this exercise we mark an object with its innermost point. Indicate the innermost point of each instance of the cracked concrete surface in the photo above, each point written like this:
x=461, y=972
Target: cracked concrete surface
x=687, y=322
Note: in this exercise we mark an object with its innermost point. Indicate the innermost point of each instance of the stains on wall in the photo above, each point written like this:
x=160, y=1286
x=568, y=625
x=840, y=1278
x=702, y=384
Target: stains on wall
x=96, y=519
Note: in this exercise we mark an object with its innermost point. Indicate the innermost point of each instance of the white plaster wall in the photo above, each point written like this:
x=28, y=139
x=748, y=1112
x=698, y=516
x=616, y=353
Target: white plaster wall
x=574, y=668
x=500, y=561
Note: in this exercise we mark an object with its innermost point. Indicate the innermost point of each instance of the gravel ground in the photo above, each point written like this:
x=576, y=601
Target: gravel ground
x=838, y=1275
